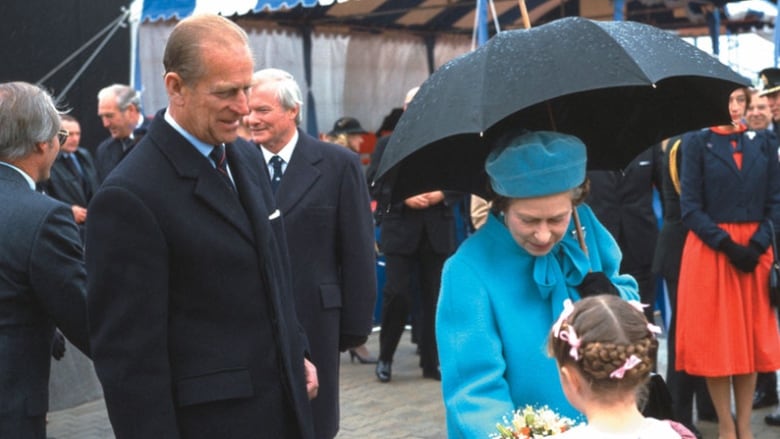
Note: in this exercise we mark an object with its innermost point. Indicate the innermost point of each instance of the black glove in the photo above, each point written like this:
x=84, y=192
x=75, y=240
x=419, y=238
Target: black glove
x=58, y=345
x=744, y=258
x=347, y=341
x=596, y=283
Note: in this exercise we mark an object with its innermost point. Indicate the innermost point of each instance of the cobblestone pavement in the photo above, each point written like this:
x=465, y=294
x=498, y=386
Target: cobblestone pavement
x=408, y=407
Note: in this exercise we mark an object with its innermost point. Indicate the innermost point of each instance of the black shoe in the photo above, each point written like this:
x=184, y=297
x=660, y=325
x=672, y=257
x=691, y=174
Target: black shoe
x=708, y=417
x=384, y=371
x=432, y=374
x=763, y=399
x=773, y=418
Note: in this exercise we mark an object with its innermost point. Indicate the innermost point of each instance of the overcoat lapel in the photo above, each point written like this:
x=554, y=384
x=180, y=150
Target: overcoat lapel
x=209, y=187
x=249, y=179
x=301, y=174
x=70, y=183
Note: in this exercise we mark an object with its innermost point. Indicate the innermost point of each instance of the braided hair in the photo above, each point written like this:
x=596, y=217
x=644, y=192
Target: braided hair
x=609, y=334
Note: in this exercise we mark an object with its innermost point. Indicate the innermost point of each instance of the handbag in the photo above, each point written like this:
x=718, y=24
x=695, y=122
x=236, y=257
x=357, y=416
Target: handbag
x=774, y=272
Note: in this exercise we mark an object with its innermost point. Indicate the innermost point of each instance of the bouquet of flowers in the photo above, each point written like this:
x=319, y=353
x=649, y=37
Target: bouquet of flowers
x=530, y=422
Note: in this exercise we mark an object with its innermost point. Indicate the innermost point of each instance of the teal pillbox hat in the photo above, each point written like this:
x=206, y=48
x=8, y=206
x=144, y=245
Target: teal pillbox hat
x=536, y=163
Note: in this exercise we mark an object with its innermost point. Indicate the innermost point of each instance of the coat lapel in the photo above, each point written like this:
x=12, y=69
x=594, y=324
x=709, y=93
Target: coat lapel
x=301, y=174
x=720, y=147
x=208, y=185
x=69, y=183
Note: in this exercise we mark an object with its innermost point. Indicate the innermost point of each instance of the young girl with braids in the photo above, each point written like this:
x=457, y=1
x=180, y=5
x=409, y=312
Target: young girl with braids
x=604, y=348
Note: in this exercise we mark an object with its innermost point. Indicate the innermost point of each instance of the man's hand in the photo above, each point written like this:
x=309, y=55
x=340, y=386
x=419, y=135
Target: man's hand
x=79, y=214
x=424, y=200
x=58, y=345
x=312, y=383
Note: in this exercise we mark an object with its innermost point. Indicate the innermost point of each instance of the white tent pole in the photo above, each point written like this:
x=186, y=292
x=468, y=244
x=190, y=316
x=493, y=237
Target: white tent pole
x=136, y=8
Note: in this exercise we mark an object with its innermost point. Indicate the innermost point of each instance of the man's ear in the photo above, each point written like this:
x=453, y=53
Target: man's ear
x=174, y=86
x=42, y=147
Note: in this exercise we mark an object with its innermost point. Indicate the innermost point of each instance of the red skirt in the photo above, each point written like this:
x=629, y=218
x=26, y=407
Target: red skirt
x=725, y=324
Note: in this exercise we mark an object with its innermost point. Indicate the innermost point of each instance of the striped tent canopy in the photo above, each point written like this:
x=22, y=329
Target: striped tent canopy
x=458, y=15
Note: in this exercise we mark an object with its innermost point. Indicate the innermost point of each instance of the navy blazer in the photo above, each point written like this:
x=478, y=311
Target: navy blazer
x=68, y=188
x=191, y=313
x=42, y=285
x=714, y=190
x=330, y=235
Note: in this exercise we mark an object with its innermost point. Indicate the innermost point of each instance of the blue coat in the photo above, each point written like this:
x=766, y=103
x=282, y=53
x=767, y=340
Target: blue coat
x=496, y=308
x=714, y=191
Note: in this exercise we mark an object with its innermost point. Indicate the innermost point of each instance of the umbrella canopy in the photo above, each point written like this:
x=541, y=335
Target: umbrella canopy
x=618, y=86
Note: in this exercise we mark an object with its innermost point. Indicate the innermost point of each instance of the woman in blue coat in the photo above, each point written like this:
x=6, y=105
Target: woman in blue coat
x=504, y=287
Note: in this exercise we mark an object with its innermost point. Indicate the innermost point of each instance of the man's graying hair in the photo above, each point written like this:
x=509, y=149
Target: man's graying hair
x=182, y=53
x=287, y=90
x=28, y=116
x=125, y=96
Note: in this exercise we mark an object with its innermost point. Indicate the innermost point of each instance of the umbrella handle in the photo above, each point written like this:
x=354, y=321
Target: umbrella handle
x=524, y=14
x=578, y=232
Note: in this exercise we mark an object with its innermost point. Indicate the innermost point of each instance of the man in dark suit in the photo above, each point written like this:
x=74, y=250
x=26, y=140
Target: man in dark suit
x=191, y=314
x=766, y=384
x=325, y=207
x=119, y=109
x=42, y=278
x=416, y=237
x=73, y=175
x=623, y=202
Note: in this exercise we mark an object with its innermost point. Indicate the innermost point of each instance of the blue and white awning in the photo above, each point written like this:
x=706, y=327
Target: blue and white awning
x=154, y=10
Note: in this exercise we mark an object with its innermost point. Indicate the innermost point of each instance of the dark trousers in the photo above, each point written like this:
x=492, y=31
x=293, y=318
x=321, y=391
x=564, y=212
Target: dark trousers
x=397, y=301
x=767, y=383
x=682, y=386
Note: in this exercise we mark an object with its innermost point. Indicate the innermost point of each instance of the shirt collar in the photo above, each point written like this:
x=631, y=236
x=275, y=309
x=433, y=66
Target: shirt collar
x=29, y=179
x=202, y=147
x=285, y=153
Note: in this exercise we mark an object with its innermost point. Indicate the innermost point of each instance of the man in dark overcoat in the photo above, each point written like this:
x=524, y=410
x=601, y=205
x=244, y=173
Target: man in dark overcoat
x=324, y=202
x=191, y=312
x=42, y=277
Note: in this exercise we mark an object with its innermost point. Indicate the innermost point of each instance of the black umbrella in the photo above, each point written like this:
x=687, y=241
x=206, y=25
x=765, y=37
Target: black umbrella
x=618, y=86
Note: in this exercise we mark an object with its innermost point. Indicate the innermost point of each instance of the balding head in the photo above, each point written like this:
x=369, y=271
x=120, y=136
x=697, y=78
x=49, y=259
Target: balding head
x=409, y=96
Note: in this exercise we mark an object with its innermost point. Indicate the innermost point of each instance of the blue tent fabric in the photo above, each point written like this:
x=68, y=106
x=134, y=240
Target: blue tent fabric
x=154, y=10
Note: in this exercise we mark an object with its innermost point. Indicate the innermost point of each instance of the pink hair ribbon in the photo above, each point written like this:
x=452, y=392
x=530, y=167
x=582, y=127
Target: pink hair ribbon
x=638, y=305
x=571, y=336
x=568, y=308
x=655, y=329
x=630, y=363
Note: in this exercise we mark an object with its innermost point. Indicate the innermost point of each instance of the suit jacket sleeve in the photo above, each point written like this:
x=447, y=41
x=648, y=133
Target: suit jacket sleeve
x=356, y=242
x=130, y=359
x=58, y=277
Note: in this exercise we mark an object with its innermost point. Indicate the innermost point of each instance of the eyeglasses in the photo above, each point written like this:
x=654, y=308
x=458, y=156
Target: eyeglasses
x=62, y=135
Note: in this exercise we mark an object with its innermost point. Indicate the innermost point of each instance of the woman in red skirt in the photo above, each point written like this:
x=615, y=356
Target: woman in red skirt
x=727, y=329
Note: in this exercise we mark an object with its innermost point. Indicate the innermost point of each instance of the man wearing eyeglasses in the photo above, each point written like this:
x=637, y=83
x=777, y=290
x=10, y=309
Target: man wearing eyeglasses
x=119, y=109
x=73, y=175
x=42, y=276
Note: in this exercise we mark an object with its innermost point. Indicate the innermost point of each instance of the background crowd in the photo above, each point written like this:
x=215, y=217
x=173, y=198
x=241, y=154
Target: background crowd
x=224, y=258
